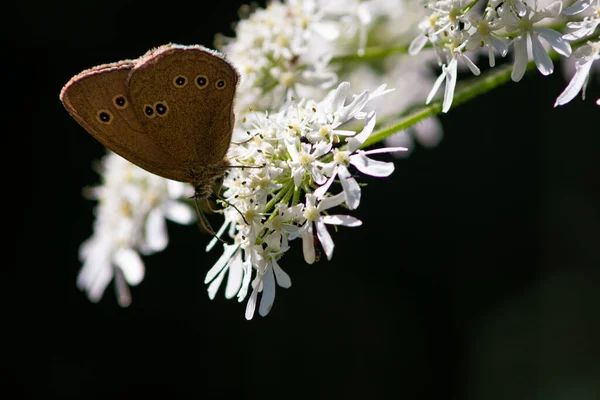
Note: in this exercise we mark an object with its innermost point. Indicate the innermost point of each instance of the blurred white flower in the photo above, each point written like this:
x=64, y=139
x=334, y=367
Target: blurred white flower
x=130, y=219
x=590, y=21
x=394, y=23
x=279, y=50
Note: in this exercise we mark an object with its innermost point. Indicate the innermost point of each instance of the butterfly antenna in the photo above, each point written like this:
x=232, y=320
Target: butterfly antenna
x=247, y=166
x=204, y=221
x=234, y=207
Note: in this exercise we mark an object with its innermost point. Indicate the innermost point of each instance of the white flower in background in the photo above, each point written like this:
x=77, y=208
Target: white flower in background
x=448, y=29
x=392, y=23
x=300, y=150
x=130, y=219
x=279, y=49
x=587, y=26
x=585, y=57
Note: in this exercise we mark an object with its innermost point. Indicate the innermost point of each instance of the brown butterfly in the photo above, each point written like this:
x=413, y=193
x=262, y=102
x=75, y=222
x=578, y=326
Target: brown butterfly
x=170, y=111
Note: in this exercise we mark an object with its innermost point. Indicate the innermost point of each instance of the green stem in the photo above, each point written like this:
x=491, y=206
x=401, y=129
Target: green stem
x=371, y=53
x=284, y=191
x=467, y=91
x=296, y=196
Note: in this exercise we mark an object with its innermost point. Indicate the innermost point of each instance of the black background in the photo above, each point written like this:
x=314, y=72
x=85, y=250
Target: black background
x=475, y=273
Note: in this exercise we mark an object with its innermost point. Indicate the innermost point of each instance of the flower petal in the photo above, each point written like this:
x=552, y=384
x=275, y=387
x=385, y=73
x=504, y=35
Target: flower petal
x=214, y=286
x=95, y=288
x=356, y=141
x=339, y=96
x=283, y=279
x=328, y=30
x=520, y=54
x=122, y=289
x=321, y=190
x=578, y=7
x=575, y=85
x=345, y=220
x=350, y=187
x=308, y=244
x=247, y=268
x=228, y=251
x=451, y=74
x=472, y=67
x=331, y=201
x=371, y=167
x=131, y=264
x=235, y=277
x=417, y=44
x=541, y=58
x=357, y=104
x=385, y=150
x=251, y=306
x=156, y=232
x=325, y=239
x=436, y=86
x=556, y=40
x=179, y=212
x=268, y=293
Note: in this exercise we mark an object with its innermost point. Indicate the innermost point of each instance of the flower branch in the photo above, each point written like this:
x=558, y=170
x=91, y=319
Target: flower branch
x=467, y=91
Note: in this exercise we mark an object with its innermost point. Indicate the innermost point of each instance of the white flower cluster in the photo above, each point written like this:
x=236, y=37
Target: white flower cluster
x=304, y=149
x=285, y=51
x=279, y=50
x=130, y=219
x=456, y=28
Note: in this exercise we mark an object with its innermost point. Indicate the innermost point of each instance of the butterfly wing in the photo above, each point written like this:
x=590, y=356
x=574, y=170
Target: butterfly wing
x=99, y=101
x=184, y=95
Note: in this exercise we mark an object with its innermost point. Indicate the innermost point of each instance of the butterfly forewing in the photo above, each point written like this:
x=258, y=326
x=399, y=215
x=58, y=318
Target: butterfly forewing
x=183, y=96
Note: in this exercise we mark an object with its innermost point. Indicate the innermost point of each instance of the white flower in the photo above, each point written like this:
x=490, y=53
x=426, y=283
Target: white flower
x=449, y=30
x=130, y=219
x=312, y=215
x=526, y=24
x=485, y=36
x=298, y=148
x=449, y=75
x=585, y=57
x=343, y=158
x=268, y=273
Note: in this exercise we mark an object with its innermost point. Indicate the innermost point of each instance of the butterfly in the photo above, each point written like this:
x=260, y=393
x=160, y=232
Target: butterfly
x=169, y=112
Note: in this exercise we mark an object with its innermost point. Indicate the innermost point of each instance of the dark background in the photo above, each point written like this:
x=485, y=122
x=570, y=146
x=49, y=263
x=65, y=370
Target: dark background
x=474, y=276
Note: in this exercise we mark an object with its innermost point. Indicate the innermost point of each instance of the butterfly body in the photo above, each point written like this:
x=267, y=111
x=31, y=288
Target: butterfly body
x=169, y=111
